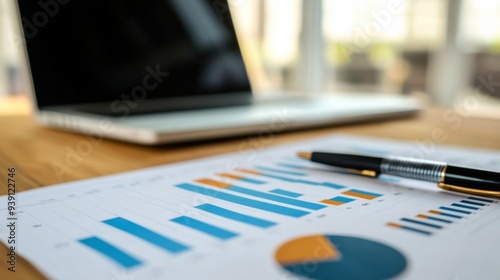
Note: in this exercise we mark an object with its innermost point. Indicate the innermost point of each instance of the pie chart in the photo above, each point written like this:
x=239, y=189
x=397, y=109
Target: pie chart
x=340, y=257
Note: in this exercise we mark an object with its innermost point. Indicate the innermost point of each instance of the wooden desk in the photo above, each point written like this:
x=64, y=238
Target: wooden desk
x=38, y=152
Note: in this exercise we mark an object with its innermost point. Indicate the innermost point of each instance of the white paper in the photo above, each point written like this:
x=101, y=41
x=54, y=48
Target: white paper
x=53, y=223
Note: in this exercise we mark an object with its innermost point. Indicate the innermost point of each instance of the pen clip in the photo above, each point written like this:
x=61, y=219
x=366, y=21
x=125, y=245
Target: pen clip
x=369, y=173
x=449, y=187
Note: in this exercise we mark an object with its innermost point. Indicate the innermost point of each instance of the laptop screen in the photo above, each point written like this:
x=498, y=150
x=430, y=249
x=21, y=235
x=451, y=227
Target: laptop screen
x=156, y=54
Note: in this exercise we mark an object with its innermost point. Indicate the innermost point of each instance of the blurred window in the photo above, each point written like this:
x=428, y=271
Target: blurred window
x=380, y=45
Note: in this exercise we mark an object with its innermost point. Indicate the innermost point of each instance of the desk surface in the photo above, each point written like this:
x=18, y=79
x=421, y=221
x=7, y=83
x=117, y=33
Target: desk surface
x=44, y=156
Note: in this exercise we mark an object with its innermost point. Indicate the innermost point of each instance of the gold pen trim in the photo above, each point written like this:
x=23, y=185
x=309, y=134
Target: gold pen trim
x=468, y=190
x=454, y=188
x=304, y=155
x=369, y=173
x=443, y=174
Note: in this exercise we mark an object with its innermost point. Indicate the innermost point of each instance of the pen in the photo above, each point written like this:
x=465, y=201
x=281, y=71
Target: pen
x=447, y=177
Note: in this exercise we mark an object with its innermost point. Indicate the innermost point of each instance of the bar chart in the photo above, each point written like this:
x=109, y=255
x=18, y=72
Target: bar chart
x=236, y=191
x=445, y=216
x=268, y=198
x=272, y=173
x=291, y=179
x=264, y=195
x=254, y=221
x=146, y=234
x=212, y=217
x=256, y=204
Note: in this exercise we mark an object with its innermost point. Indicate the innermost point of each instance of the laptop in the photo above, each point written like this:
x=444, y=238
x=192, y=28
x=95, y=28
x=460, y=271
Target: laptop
x=162, y=71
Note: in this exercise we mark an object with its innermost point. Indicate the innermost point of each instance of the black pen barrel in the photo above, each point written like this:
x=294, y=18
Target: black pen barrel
x=359, y=162
x=472, y=178
x=448, y=177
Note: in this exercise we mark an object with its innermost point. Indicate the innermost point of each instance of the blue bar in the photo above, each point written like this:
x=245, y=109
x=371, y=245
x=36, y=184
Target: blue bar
x=439, y=220
x=205, y=228
x=473, y=203
x=110, y=251
x=286, y=193
x=332, y=185
x=291, y=165
x=291, y=212
x=281, y=171
x=464, y=206
x=279, y=177
x=219, y=211
x=365, y=192
x=342, y=199
x=449, y=215
x=307, y=182
x=454, y=210
x=388, y=179
x=277, y=198
x=481, y=199
x=421, y=223
x=416, y=230
x=252, y=181
x=146, y=234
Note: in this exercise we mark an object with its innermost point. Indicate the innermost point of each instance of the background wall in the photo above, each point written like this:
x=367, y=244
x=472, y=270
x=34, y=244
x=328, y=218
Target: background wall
x=10, y=78
x=445, y=49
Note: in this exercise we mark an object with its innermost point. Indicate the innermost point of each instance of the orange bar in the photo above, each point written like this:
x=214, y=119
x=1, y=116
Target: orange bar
x=231, y=176
x=422, y=216
x=336, y=203
x=214, y=183
x=360, y=195
x=394, y=225
x=248, y=171
x=434, y=212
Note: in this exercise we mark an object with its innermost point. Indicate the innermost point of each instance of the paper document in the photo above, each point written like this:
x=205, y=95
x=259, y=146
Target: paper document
x=262, y=214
